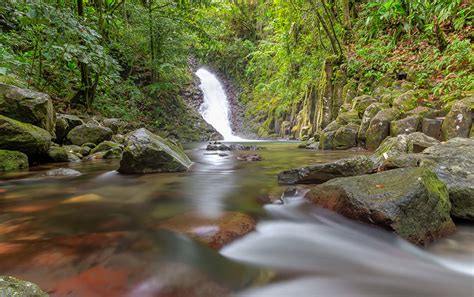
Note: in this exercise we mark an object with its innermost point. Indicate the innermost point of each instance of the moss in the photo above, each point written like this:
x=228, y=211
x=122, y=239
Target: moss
x=436, y=189
x=12, y=160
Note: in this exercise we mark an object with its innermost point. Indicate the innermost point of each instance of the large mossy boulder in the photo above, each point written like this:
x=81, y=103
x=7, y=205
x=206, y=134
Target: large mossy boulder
x=453, y=162
x=27, y=106
x=319, y=173
x=406, y=101
x=457, y=122
x=12, y=160
x=90, y=132
x=379, y=127
x=23, y=137
x=345, y=137
x=348, y=117
x=146, y=152
x=413, y=202
x=13, y=287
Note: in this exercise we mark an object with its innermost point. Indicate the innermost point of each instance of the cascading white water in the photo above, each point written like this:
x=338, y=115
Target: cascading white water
x=215, y=108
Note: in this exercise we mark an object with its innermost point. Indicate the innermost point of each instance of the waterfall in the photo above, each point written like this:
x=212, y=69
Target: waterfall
x=215, y=108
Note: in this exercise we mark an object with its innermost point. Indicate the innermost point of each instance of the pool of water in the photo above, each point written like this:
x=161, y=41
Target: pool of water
x=99, y=234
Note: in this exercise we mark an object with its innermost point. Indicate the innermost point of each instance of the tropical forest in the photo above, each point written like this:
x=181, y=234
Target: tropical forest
x=252, y=148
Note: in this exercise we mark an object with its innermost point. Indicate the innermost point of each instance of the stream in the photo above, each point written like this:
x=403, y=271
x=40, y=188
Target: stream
x=99, y=234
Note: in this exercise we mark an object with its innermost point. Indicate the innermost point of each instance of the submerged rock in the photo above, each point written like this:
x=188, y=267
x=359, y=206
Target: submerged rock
x=10, y=286
x=249, y=157
x=213, y=231
x=320, y=173
x=23, y=137
x=62, y=172
x=12, y=160
x=453, y=162
x=89, y=132
x=218, y=146
x=146, y=152
x=413, y=202
x=27, y=106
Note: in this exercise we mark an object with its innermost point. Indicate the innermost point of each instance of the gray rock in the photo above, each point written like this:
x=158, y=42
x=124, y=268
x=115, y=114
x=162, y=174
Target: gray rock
x=27, y=106
x=116, y=125
x=146, y=152
x=89, y=132
x=345, y=137
x=379, y=127
x=457, y=122
x=432, y=127
x=361, y=103
x=326, y=140
x=320, y=173
x=404, y=126
x=369, y=114
x=413, y=202
x=454, y=164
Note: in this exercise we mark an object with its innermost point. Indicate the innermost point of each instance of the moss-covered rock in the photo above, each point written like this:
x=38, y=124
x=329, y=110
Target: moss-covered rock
x=345, y=137
x=422, y=112
x=413, y=202
x=369, y=113
x=23, y=137
x=89, y=132
x=116, y=125
x=405, y=126
x=453, y=162
x=379, y=127
x=406, y=101
x=105, y=146
x=319, y=173
x=146, y=152
x=12, y=160
x=13, y=287
x=27, y=106
x=58, y=154
x=361, y=103
x=457, y=122
x=106, y=150
x=326, y=140
x=348, y=117
x=85, y=150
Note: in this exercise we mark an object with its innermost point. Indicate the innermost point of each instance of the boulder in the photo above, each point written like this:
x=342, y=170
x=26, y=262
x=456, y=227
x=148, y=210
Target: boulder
x=369, y=113
x=406, y=101
x=27, y=106
x=453, y=162
x=457, y=122
x=64, y=124
x=345, y=137
x=105, y=146
x=422, y=112
x=432, y=127
x=420, y=141
x=361, y=103
x=23, y=137
x=379, y=127
x=10, y=286
x=319, y=173
x=348, y=117
x=413, y=202
x=404, y=126
x=72, y=120
x=116, y=125
x=89, y=132
x=85, y=150
x=326, y=140
x=146, y=152
x=106, y=150
x=58, y=154
x=12, y=160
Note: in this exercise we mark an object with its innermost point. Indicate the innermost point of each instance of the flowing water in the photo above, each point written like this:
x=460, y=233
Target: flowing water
x=105, y=234
x=216, y=108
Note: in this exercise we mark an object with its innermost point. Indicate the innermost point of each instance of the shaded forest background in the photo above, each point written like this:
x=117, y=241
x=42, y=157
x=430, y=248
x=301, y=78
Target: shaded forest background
x=130, y=58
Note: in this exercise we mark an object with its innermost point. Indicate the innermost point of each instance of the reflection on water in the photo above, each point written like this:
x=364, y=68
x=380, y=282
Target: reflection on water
x=99, y=234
